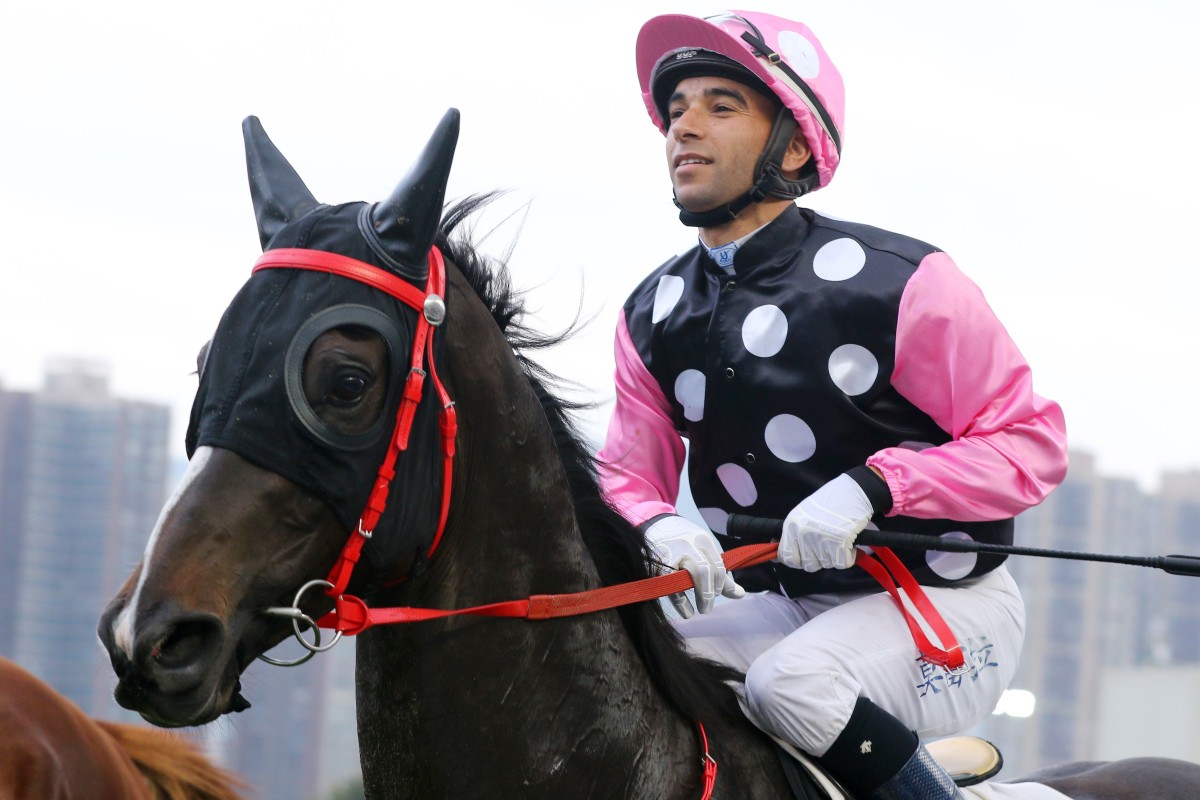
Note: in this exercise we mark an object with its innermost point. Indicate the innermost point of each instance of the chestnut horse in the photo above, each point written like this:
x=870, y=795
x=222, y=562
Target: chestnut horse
x=51, y=750
x=341, y=354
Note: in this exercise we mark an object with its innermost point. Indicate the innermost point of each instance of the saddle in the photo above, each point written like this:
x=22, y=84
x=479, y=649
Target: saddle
x=968, y=759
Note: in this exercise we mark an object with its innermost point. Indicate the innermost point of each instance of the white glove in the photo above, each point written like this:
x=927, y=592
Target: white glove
x=820, y=532
x=677, y=543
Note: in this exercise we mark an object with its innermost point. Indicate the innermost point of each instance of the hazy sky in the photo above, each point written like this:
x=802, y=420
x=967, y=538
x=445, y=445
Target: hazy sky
x=1048, y=146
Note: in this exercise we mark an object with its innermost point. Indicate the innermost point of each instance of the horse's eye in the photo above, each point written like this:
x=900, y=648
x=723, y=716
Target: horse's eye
x=347, y=389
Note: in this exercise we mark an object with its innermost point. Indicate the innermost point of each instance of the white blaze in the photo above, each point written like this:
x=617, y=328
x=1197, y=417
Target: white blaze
x=123, y=626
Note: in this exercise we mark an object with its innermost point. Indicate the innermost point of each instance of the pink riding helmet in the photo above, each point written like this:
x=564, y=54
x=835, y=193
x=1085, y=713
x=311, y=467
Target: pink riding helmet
x=784, y=55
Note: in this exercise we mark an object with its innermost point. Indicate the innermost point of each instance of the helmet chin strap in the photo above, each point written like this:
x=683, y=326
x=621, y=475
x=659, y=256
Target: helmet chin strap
x=768, y=179
x=719, y=215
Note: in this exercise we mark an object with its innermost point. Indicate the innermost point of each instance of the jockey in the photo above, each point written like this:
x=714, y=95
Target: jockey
x=832, y=374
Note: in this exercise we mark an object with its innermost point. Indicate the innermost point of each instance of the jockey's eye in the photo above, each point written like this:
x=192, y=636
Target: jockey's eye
x=348, y=389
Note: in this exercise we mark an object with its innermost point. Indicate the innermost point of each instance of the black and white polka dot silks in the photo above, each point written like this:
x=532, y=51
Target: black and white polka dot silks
x=779, y=375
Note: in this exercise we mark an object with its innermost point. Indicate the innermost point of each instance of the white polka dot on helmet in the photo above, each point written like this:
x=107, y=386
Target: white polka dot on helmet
x=784, y=55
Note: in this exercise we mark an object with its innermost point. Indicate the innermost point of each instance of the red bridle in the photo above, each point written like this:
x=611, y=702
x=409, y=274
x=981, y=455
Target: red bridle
x=431, y=312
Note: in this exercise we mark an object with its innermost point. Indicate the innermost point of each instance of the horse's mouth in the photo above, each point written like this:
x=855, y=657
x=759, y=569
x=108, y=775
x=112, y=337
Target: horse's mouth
x=178, y=710
x=183, y=706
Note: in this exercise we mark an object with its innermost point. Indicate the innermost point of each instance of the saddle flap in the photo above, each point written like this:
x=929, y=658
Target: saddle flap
x=807, y=779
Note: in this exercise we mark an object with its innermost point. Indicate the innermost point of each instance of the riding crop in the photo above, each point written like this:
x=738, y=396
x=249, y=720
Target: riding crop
x=742, y=525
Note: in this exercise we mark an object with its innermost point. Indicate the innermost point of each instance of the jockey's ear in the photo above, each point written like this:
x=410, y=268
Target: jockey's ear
x=796, y=156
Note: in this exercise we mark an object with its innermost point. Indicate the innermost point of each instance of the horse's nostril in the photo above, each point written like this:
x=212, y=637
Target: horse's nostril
x=185, y=643
x=176, y=655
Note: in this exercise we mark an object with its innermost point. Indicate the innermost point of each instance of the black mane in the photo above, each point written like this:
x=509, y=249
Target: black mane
x=697, y=688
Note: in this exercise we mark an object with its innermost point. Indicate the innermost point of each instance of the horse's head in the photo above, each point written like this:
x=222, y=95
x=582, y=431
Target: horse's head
x=299, y=395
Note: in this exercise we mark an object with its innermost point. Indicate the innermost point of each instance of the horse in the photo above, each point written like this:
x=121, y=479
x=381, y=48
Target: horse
x=51, y=750
x=304, y=507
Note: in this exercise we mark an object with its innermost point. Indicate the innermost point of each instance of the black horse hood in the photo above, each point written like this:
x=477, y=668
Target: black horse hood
x=251, y=400
x=251, y=397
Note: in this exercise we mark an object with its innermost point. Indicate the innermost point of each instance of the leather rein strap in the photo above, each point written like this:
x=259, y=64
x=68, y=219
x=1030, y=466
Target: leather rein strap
x=885, y=567
x=351, y=616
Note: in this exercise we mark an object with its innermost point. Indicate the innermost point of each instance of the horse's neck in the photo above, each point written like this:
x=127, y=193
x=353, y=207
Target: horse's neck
x=476, y=707
x=524, y=703
x=512, y=515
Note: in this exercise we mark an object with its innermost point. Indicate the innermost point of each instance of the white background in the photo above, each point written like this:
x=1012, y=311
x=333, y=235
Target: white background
x=1048, y=146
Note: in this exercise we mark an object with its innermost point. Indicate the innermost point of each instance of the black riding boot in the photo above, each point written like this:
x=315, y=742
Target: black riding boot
x=877, y=758
x=921, y=778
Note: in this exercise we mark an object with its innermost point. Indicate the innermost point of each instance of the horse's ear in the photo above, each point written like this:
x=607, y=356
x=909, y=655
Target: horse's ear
x=278, y=193
x=407, y=222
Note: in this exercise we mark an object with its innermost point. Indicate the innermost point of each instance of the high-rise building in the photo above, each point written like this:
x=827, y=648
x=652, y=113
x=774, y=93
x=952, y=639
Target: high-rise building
x=277, y=744
x=82, y=478
x=1092, y=626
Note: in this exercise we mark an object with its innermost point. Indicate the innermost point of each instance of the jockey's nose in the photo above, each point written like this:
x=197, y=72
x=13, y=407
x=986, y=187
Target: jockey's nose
x=683, y=126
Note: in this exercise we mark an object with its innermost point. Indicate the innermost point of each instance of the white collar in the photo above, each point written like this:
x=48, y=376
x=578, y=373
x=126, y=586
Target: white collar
x=723, y=255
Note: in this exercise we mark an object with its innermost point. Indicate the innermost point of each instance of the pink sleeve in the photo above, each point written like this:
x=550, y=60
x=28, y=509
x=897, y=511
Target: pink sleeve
x=643, y=453
x=957, y=363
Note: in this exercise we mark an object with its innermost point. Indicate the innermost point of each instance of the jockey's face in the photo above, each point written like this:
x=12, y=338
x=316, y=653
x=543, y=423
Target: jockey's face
x=718, y=129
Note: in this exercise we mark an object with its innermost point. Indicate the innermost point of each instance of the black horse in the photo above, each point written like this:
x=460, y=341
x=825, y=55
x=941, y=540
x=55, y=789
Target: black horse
x=299, y=388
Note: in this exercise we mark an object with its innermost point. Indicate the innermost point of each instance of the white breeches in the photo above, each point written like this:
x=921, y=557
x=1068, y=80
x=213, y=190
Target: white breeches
x=807, y=660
